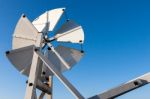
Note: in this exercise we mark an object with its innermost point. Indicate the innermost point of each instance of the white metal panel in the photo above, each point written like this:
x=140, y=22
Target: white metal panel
x=59, y=56
x=25, y=33
x=70, y=32
x=71, y=57
x=48, y=18
x=21, y=58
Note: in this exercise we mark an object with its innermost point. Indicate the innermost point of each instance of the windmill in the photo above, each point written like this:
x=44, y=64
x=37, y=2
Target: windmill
x=31, y=58
x=34, y=55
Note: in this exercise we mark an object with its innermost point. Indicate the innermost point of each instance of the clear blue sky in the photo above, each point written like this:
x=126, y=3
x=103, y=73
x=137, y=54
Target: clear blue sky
x=117, y=45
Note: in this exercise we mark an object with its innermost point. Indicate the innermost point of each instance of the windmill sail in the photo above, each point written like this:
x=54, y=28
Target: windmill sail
x=70, y=32
x=70, y=55
x=25, y=33
x=21, y=58
x=48, y=20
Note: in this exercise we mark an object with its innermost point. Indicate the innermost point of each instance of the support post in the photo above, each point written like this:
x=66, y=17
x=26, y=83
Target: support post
x=32, y=79
x=50, y=84
x=31, y=85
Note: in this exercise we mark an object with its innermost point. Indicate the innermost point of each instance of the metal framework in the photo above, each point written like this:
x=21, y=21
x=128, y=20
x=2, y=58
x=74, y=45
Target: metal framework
x=31, y=52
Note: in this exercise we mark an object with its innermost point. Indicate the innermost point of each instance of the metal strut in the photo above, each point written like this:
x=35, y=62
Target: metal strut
x=125, y=88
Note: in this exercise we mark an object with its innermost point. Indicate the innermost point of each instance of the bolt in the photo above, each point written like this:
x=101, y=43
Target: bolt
x=7, y=52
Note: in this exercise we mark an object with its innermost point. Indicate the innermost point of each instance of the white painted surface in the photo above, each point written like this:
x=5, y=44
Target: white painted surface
x=49, y=18
x=25, y=34
x=70, y=32
x=69, y=55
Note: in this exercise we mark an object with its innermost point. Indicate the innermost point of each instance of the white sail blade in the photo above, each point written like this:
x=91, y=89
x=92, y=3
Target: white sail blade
x=48, y=20
x=25, y=33
x=70, y=32
x=71, y=57
x=21, y=58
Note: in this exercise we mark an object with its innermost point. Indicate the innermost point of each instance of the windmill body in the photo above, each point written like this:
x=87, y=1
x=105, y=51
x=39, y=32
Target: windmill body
x=37, y=63
x=34, y=55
